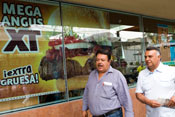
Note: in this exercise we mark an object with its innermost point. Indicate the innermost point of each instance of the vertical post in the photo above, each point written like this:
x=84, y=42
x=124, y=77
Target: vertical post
x=141, y=27
x=64, y=57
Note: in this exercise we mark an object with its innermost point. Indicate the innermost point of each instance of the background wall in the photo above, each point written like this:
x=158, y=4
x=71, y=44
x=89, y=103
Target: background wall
x=72, y=109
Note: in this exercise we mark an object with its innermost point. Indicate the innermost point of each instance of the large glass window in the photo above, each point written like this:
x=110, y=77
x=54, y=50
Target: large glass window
x=48, y=51
x=30, y=65
x=86, y=30
x=161, y=34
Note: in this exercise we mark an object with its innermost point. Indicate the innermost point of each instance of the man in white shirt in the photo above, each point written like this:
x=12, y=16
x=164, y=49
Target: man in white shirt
x=156, y=86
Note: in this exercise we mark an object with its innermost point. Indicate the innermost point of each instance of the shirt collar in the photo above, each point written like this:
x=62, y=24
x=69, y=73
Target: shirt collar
x=110, y=70
x=158, y=69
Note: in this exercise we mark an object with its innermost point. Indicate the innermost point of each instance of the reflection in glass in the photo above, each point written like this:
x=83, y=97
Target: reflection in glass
x=161, y=34
x=86, y=30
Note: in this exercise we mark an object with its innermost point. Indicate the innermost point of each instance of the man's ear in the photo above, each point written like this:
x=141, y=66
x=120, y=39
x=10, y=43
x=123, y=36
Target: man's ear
x=110, y=61
x=159, y=57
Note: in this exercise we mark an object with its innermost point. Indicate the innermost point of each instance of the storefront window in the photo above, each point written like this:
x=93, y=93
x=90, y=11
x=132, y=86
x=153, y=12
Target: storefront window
x=86, y=30
x=29, y=64
x=161, y=34
x=48, y=50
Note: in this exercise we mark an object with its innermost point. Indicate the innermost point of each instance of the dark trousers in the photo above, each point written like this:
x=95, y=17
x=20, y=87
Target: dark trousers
x=117, y=113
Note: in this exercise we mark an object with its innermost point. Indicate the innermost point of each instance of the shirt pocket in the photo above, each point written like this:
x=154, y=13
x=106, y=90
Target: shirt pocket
x=107, y=91
x=166, y=82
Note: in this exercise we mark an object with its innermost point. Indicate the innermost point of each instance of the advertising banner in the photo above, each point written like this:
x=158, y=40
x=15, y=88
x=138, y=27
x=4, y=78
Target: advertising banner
x=25, y=29
x=32, y=55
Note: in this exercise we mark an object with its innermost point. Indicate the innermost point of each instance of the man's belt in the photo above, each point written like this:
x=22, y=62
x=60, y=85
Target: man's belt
x=109, y=113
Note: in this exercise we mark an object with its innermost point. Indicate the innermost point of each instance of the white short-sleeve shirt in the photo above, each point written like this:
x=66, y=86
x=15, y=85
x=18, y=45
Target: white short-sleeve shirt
x=159, y=84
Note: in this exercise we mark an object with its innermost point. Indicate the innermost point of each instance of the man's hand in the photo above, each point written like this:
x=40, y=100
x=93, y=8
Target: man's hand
x=85, y=114
x=154, y=103
x=171, y=103
x=141, y=97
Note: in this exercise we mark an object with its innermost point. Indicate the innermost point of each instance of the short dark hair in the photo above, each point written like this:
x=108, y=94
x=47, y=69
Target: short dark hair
x=104, y=51
x=153, y=48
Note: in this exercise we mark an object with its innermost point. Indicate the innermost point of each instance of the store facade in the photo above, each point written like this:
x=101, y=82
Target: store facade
x=47, y=49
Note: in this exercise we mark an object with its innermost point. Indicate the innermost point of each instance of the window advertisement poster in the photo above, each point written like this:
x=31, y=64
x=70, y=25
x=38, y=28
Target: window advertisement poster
x=25, y=31
x=86, y=31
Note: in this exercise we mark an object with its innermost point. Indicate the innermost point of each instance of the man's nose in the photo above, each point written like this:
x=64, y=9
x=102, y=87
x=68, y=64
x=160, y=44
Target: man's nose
x=99, y=61
x=147, y=58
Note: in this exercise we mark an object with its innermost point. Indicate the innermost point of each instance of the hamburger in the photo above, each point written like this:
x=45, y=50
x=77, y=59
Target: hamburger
x=79, y=62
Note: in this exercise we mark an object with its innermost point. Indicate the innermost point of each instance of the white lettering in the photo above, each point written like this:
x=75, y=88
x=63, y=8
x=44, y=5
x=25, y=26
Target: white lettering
x=28, y=10
x=9, y=10
x=20, y=9
x=37, y=12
